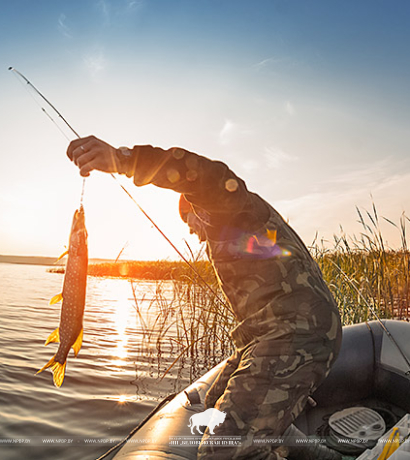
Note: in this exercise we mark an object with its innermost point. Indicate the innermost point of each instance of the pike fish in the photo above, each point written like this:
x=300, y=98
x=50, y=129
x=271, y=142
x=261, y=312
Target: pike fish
x=70, y=331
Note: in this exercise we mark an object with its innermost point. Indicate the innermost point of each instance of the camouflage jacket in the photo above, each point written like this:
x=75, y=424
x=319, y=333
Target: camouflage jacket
x=274, y=286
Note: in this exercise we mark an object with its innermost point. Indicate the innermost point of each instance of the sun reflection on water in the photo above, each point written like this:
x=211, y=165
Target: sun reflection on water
x=122, y=316
x=118, y=299
x=122, y=399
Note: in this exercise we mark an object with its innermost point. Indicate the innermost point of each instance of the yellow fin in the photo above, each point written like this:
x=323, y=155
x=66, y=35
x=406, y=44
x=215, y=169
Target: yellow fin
x=62, y=255
x=57, y=298
x=53, y=337
x=77, y=344
x=58, y=371
x=50, y=363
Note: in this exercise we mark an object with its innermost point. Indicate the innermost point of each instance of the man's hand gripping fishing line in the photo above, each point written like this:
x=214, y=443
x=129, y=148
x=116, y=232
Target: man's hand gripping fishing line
x=90, y=153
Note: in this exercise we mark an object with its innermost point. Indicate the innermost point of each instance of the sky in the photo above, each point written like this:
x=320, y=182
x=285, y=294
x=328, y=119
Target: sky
x=307, y=100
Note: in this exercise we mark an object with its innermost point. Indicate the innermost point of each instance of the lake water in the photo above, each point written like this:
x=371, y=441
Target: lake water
x=111, y=386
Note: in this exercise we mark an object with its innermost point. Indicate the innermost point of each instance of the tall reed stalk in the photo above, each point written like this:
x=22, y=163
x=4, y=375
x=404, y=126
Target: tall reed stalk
x=363, y=271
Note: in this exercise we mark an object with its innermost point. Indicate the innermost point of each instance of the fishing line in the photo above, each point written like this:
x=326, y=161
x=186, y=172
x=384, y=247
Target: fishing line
x=211, y=289
x=373, y=311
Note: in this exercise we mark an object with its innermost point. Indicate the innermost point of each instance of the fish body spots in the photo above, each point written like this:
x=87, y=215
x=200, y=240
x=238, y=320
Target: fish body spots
x=74, y=293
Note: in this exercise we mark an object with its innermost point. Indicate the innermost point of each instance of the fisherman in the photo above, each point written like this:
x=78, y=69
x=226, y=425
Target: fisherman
x=289, y=331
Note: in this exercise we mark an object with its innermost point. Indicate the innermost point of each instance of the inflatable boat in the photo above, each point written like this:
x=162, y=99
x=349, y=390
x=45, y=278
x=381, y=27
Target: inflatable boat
x=365, y=399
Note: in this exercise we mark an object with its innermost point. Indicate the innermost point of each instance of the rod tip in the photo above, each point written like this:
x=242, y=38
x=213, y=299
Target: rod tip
x=11, y=68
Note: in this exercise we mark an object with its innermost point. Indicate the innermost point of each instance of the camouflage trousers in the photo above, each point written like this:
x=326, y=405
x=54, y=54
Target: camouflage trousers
x=263, y=388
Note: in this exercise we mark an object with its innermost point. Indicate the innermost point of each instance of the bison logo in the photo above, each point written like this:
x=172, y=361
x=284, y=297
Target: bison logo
x=210, y=418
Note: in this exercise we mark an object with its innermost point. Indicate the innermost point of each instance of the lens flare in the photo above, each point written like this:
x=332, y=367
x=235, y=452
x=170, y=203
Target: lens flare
x=262, y=245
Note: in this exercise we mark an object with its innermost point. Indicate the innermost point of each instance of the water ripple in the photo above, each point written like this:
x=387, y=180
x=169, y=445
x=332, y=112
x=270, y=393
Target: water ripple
x=108, y=388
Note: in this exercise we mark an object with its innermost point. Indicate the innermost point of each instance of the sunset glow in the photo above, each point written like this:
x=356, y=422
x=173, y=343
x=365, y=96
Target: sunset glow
x=313, y=119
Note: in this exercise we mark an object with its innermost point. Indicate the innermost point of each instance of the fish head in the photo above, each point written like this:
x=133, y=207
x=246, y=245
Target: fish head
x=78, y=220
x=78, y=230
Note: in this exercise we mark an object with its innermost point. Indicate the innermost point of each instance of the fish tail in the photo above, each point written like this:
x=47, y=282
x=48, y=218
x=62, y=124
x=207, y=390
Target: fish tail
x=58, y=371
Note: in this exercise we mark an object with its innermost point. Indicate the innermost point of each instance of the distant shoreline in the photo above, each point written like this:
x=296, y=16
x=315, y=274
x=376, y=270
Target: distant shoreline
x=148, y=270
x=40, y=260
x=129, y=269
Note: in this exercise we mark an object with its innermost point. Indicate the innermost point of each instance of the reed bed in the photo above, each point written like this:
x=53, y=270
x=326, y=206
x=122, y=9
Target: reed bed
x=366, y=277
x=185, y=328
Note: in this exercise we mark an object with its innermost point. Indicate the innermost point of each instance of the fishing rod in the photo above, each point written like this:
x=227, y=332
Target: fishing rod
x=16, y=72
x=192, y=267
